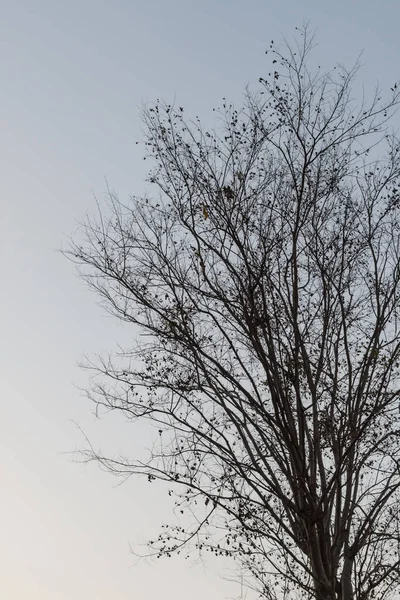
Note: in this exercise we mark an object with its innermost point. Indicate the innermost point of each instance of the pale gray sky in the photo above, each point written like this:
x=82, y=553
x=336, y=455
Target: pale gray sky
x=72, y=75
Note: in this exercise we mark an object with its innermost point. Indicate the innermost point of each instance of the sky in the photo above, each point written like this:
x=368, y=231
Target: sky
x=73, y=78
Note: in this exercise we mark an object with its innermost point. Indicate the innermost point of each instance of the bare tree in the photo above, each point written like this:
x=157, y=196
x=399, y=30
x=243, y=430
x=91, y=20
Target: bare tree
x=266, y=279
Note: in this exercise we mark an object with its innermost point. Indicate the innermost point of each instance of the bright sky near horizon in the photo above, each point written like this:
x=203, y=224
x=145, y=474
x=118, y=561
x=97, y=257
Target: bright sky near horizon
x=73, y=75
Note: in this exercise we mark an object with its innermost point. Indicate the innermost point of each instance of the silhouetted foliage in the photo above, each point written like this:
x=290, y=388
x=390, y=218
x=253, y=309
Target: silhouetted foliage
x=266, y=276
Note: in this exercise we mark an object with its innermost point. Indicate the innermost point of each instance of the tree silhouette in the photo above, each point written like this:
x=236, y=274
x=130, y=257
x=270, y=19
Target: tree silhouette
x=266, y=277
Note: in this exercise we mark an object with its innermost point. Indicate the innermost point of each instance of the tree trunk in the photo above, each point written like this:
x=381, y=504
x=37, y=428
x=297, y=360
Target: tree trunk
x=347, y=587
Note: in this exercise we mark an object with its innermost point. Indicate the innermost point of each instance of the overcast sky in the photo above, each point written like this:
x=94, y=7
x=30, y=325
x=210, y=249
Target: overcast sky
x=73, y=74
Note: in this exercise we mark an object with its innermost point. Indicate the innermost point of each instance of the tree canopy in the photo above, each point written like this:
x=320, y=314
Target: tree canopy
x=264, y=277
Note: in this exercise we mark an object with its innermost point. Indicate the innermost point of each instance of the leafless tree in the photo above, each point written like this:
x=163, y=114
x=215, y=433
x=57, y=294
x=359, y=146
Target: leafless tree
x=266, y=279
